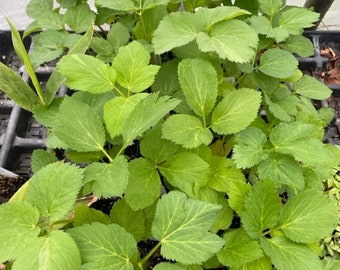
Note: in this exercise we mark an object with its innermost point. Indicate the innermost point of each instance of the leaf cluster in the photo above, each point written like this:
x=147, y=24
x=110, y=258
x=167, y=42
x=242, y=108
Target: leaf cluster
x=194, y=117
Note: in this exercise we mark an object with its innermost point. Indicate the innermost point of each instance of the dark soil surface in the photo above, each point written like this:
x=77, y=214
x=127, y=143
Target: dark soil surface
x=8, y=186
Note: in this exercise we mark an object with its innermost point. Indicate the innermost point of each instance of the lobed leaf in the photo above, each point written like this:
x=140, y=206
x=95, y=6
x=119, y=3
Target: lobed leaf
x=35, y=7
x=144, y=185
x=182, y=225
x=308, y=217
x=239, y=249
x=273, y=60
x=54, y=251
x=86, y=73
x=79, y=17
x=186, y=130
x=40, y=158
x=286, y=255
x=105, y=246
x=85, y=133
x=18, y=229
x=312, y=88
x=133, y=70
x=54, y=189
x=270, y=7
x=236, y=111
x=299, y=45
x=262, y=206
x=198, y=80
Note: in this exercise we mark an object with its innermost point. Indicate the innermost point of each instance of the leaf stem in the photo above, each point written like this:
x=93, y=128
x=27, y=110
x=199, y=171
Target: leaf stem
x=107, y=155
x=147, y=257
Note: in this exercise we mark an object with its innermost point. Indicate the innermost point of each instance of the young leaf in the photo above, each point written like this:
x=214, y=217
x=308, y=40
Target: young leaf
x=249, y=149
x=236, y=111
x=263, y=263
x=312, y=88
x=283, y=170
x=145, y=115
x=129, y=5
x=237, y=192
x=270, y=7
x=18, y=228
x=295, y=19
x=262, y=206
x=118, y=36
x=84, y=215
x=109, y=179
x=117, y=110
x=55, y=251
x=132, y=221
x=299, y=45
x=185, y=171
x=144, y=185
x=182, y=225
x=17, y=89
x=286, y=255
x=227, y=40
x=41, y=158
x=175, y=30
x=105, y=246
x=133, y=70
x=153, y=147
x=169, y=266
x=198, y=80
x=273, y=60
x=239, y=249
x=186, y=130
x=85, y=132
x=35, y=7
x=54, y=189
x=308, y=217
x=86, y=73
x=79, y=17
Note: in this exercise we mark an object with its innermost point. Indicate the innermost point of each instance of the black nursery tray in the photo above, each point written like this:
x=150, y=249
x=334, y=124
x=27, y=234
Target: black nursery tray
x=20, y=133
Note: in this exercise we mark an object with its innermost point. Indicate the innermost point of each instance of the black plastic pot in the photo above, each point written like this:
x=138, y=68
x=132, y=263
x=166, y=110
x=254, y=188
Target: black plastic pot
x=317, y=65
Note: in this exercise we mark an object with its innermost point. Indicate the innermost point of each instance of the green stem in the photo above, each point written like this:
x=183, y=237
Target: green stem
x=107, y=155
x=147, y=257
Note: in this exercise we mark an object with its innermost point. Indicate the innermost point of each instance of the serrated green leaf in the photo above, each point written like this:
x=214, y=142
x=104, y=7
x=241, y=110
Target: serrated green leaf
x=109, y=179
x=186, y=130
x=185, y=171
x=145, y=115
x=263, y=263
x=227, y=40
x=262, y=25
x=262, y=206
x=54, y=189
x=198, y=80
x=295, y=19
x=211, y=16
x=117, y=110
x=84, y=215
x=118, y=36
x=18, y=228
x=49, y=19
x=249, y=149
x=283, y=170
x=182, y=225
x=239, y=249
x=236, y=111
x=169, y=266
x=144, y=185
x=290, y=138
x=132, y=221
x=55, y=251
x=104, y=50
x=153, y=147
x=48, y=45
x=286, y=255
x=308, y=217
x=312, y=88
x=299, y=45
x=40, y=158
x=281, y=102
x=86, y=73
x=270, y=7
x=223, y=171
x=166, y=81
x=129, y=5
x=175, y=30
x=105, y=246
x=273, y=60
x=79, y=17
x=133, y=70
x=35, y=7
x=85, y=132
x=17, y=89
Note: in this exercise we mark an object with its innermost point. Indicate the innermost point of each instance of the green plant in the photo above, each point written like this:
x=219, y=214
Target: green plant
x=200, y=125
